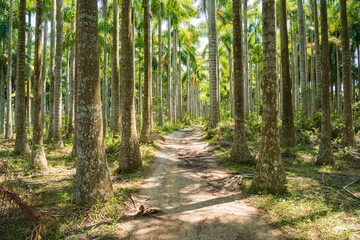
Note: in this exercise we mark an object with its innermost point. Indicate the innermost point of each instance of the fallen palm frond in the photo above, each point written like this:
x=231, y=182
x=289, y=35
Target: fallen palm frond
x=6, y=195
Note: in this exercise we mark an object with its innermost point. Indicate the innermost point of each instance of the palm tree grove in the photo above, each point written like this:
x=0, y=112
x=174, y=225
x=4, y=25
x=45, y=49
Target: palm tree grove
x=179, y=119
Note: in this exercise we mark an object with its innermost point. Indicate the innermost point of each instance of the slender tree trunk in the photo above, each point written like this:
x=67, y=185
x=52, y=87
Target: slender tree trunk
x=92, y=179
x=58, y=75
x=213, y=65
x=43, y=74
x=2, y=101
x=292, y=66
x=72, y=85
x=21, y=142
x=317, y=59
x=175, y=86
x=28, y=105
x=296, y=75
x=325, y=155
x=52, y=71
x=115, y=91
x=338, y=82
x=239, y=151
x=257, y=86
x=246, y=57
x=288, y=130
x=169, y=98
x=231, y=100
x=8, y=128
x=146, y=126
x=159, y=87
x=179, y=106
x=130, y=157
x=140, y=96
x=269, y=173
x=251, y=98
x=188, y=84
x=105, y=81
x=302, y=49
x=38, y=159
x=349, y=133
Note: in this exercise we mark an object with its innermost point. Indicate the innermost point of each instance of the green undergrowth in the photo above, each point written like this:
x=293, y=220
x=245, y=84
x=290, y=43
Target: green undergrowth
x=50, y=194
x=315, y=206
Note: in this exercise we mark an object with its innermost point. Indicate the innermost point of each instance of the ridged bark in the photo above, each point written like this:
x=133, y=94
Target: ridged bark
x=9, y=121
x=288, y=137
x=115, y=91
x=57, y=132
x=21, y=142
x=269, y=173
x=239, y=151
x=213, y=65
x=38, y=159
x=146, y=125
x=317, y=59
x=92, y=179
x=159, y=91
x=349, y=133
x=52, y=70
x=325, y=155
x=130, y=157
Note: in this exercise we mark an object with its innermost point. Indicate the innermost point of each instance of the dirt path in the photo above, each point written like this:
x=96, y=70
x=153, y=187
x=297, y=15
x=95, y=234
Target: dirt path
x=195, y=195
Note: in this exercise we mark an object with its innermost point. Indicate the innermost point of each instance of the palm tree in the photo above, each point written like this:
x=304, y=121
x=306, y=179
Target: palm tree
x=38, y=158
x=246, y=57
x=302, y=49
x=21, y=142
x=92, y=179
x=325, y=155
x=8, y=127
x=317, y=58
x=169, y=98
x=146, y=125
x=349, y=133
x=159, y=85
x=213, y=65
x=43, y=74
x=57, y=131
x=52, y=70
x=269, y=173
x=288, y=130
x=28, y=105
x=130, y=157
x=105, y=81
x=115, y=91
x=239, y=151
x=72, y=83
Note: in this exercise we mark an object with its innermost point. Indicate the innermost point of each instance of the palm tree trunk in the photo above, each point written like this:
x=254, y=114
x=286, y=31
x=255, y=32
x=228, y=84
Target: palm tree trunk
x=105, y=81
x=159, y=87
x=175, y=86
x=257, y=86
x=317, y=59
x=302, y=49
x=72, y=84
x=239, y=151
x=28, y=106
x=269, y=173
x=169, y=98
x=140, y=96
x=325, y=155
x=251, y=96
x=146, y=125
x=213, y=65
x=246, y=57
x=92, y=179
x=179, y=105
x=349, y=133
x=52, y=71
x=115, y=91
x=43, y=74
x=130, y=157
x=188, y=84
x=231, y=95
x=58, y=75
x=288, y=130
x=296, y=74
x=2, y=101
x=38, y=158
x=9, y=121
x=21, y=142
x=338, y=82
x=312, y=79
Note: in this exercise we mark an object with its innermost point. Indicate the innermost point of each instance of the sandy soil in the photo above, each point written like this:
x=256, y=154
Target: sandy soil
x=197, y=198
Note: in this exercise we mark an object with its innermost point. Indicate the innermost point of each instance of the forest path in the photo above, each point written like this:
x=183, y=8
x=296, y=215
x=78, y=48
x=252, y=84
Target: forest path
x=195, y=195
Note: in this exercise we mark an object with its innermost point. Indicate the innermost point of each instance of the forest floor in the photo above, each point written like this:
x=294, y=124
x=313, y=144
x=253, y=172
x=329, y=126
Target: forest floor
x=187, y=189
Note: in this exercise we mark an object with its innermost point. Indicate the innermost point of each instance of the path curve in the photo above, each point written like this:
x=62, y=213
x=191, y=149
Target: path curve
x=195, y=195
